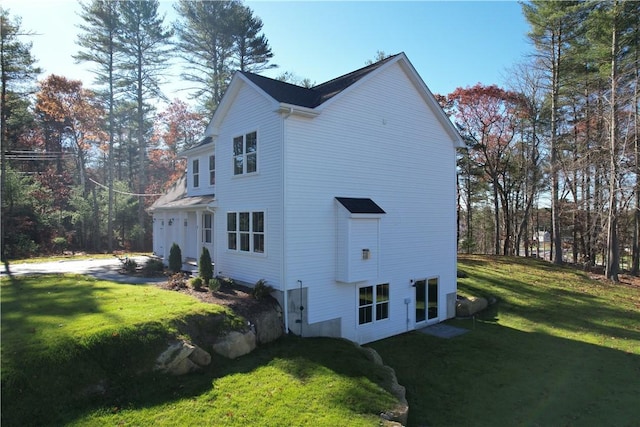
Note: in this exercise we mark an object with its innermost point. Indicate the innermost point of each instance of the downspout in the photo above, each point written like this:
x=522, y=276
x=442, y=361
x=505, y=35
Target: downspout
x=285, y=298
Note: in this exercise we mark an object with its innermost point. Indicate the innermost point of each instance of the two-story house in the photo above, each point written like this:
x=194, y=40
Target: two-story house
x=341, y=196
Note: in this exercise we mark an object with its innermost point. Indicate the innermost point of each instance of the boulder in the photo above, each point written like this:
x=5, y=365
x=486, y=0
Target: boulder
x=466, y=307
x=235, y=344
x=182, y=357
x=269, y=325
x=399, y=414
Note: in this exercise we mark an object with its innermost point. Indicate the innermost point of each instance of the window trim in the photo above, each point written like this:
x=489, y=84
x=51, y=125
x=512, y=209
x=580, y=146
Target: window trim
x=375, y=306
x=244, y=234
x=244, y=154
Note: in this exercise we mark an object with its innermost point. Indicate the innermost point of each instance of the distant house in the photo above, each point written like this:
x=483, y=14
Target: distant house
x=342, y=197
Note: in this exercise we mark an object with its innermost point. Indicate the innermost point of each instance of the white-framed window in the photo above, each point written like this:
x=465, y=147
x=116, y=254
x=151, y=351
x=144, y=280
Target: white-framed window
x=212, y=170
x=195, y=166
x=207, y=228
x=245, y=153
x=373, y=303
x=246, y=231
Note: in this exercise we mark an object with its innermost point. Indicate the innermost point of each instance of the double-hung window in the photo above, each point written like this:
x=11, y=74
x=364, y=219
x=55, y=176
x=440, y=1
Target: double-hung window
x=373, y=303
x=206, y=228
x=245, y=231
x=212, y=170
x=245, y=154
x=195, y=165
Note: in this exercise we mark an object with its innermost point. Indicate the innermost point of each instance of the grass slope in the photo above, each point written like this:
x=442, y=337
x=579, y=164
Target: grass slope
x=75, y=349
x=557, y=349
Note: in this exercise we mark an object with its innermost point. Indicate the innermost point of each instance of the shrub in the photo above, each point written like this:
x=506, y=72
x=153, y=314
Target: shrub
x=205, y=270
x=196, y=283
x=129, y=265
x=261, y=289
x=153, y=266
x=60, y=244
x=214, y=284
x=175, y=258
x=177, y=281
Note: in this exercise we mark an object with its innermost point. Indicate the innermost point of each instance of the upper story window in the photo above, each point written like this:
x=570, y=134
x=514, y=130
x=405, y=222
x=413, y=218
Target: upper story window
x=245, y=154
x=195, y=166
x=212, y=170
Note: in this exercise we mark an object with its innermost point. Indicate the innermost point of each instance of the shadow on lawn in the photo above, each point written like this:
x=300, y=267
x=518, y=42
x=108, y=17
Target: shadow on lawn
x=574, y=311
x=496, y=375
x=298, y=357
x=77, y=378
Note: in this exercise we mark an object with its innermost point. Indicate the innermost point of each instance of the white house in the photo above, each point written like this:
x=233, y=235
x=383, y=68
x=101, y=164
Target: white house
x=342, y=197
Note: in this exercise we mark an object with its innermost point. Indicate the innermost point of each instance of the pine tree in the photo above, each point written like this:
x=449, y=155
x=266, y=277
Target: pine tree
x=17, y=73
x=98, y=44
x=144, y=43
x=216, y=38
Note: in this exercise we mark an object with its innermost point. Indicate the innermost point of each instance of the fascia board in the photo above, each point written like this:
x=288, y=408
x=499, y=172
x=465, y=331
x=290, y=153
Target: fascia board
x=297, y=110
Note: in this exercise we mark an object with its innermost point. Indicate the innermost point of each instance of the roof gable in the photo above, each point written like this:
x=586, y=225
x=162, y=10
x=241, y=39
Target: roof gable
x=310, y=101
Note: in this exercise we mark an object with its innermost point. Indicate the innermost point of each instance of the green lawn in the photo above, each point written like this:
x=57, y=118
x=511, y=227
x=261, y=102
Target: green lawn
x=557, y=349
x=75, y=349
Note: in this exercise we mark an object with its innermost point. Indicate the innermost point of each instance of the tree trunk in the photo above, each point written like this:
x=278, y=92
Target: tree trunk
x=613, y=247
x=496, y=218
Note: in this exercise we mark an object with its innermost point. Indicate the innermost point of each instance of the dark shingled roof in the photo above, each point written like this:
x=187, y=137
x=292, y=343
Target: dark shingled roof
x=360, y=206
x=310, y=97
x=176, y=197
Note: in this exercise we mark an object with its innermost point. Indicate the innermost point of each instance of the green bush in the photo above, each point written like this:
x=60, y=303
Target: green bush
x=153, y=266
x=214, y=284
x=175, y=258
x=261, y=289
x=60, y=244
x=205, y=270
x=196, y=283
x=129, y=265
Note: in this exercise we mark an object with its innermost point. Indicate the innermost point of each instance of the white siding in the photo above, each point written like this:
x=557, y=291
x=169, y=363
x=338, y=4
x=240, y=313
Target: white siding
x=377, y=140
x=261, y=191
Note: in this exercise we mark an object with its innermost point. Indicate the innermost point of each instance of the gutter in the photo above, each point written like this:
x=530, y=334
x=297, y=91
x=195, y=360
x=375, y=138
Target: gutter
x=288, y=109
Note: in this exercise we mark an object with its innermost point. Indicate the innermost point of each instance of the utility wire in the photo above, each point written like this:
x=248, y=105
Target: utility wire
x=125, y=192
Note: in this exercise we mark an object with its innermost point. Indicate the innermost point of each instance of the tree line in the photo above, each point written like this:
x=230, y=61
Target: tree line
x=80, y=165
x=556, y=154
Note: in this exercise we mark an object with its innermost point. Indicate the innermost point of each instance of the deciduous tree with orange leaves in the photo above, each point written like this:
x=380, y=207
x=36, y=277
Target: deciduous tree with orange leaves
x=78, y=117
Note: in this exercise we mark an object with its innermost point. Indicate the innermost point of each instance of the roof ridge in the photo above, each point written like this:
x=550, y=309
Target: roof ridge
x=290, y=93
x=364, y=70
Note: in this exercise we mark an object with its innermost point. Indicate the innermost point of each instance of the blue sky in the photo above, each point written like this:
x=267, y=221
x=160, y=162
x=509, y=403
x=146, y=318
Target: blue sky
x=451, y=44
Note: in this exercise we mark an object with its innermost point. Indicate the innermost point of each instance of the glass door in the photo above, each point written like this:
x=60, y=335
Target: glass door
x=421, y=300
x=432, y=300
x=426, y=300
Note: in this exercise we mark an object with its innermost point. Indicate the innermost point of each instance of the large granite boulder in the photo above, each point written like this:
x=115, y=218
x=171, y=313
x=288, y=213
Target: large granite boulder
x=466, y=307
x=182, y=357
x=235, y=344
x=269, y=325
x=400, y=413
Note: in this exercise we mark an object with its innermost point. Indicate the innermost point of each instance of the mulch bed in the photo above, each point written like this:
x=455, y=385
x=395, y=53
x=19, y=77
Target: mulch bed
x=237, y=297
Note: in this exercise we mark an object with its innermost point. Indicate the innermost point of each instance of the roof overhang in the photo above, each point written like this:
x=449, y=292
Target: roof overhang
x=193, y=202
x=296, y=110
